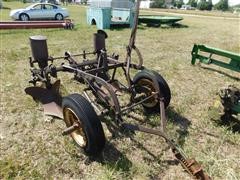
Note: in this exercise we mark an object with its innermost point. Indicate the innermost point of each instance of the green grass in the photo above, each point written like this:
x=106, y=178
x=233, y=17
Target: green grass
x=31, y=148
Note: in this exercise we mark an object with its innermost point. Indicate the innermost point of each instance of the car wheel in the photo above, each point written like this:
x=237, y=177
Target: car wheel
x=24, y=17
x=59, y=17
x=89, y=135
x=145, y=79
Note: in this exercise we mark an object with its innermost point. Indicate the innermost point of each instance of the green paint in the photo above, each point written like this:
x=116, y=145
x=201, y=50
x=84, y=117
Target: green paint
x=234, y=58
x=151, y=19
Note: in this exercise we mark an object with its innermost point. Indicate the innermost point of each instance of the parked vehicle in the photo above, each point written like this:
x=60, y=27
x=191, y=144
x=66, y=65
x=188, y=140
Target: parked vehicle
x=40, y=11
x=187, y=7
x=56, y=2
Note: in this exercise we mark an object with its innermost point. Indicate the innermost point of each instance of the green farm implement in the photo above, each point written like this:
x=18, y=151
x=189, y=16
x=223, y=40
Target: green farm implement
x=230, y=96
x=230, y=60
x=158, y=20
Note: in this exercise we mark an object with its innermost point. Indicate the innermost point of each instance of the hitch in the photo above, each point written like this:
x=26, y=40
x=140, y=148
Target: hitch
x=190, y=165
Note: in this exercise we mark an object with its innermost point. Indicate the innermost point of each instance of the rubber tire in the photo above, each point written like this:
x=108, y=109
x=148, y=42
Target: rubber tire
x=92, y=126
x=163, y=86
x=58, y=14
x=20, y=17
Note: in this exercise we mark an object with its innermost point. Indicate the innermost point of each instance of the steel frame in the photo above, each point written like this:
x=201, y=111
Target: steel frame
x=234, y=58
x=94, y=74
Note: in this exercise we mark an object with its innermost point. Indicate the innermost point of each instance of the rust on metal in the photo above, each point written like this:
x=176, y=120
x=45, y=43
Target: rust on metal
x=50, y=98
x=53, y=109
x=98, y=75
x=66, y=24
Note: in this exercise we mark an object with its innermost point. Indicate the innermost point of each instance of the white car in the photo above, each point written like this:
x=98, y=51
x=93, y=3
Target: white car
x=40, y=11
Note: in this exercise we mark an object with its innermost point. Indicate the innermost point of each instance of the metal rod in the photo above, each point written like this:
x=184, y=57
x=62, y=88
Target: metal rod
x=34, y=25
x=73, y=55
x=92, y=103
x=109, y=88
x=162, y=114
x=140, y=102
x=33, y=22
x=150, y=131
x=70, y=129
x=92, y=71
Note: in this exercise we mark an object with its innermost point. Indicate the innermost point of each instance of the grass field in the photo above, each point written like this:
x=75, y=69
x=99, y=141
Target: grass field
x=33, y=148
x=212, y=13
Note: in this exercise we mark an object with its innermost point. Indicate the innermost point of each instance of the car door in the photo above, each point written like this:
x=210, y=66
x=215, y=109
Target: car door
x=35, y=12
x=48, y=11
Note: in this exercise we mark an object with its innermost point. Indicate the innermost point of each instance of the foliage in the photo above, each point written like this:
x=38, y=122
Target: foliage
x=209, y=5
x=222, y=5
x=192, y=3
x=205, y=5
x=158, y=4
x=179, y=3
x=202, y=5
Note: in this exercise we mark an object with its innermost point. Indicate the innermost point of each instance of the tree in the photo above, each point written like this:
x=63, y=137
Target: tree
x=205, y=5
x=173, y=2
x=192, y=3
x=158, y=3
x=222, y=5
x=209, y=5
x=179, y=3
x=202, y=5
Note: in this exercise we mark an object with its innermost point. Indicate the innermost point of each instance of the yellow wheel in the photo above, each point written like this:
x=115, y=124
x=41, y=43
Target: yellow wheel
x=88, y=132
x=144, y=83
x=71, y=119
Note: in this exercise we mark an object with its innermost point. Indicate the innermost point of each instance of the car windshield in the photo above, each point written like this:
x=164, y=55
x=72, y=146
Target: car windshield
x=30, y=7
x=39, y=6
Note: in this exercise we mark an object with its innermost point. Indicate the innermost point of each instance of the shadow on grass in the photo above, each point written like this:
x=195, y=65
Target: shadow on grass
x=221, y=72
x=232, y=123
x=176, y=25
x=119, y=27
x=173, y=117
x=112, y=159
x=163, y=26
x=28, y=31
x=182, y=122
x=8, y=8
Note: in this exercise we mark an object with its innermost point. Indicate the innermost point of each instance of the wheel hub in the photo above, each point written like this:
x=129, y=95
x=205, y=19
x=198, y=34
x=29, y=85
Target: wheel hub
x=149, y=86
x=71, y=119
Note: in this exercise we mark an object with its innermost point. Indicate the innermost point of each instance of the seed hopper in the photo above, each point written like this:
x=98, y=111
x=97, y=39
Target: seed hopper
x=101, y=96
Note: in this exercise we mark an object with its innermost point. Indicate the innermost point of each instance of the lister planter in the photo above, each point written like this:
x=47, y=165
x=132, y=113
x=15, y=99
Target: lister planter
x=101, y=94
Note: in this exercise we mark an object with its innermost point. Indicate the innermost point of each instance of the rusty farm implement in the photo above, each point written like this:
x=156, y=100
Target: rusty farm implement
x=101, y=94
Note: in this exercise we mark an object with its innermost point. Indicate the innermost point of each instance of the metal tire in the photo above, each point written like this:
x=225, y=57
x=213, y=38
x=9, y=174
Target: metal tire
x=89, y=122
x=24, y=17
x=59, y=17
x=148, y=76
